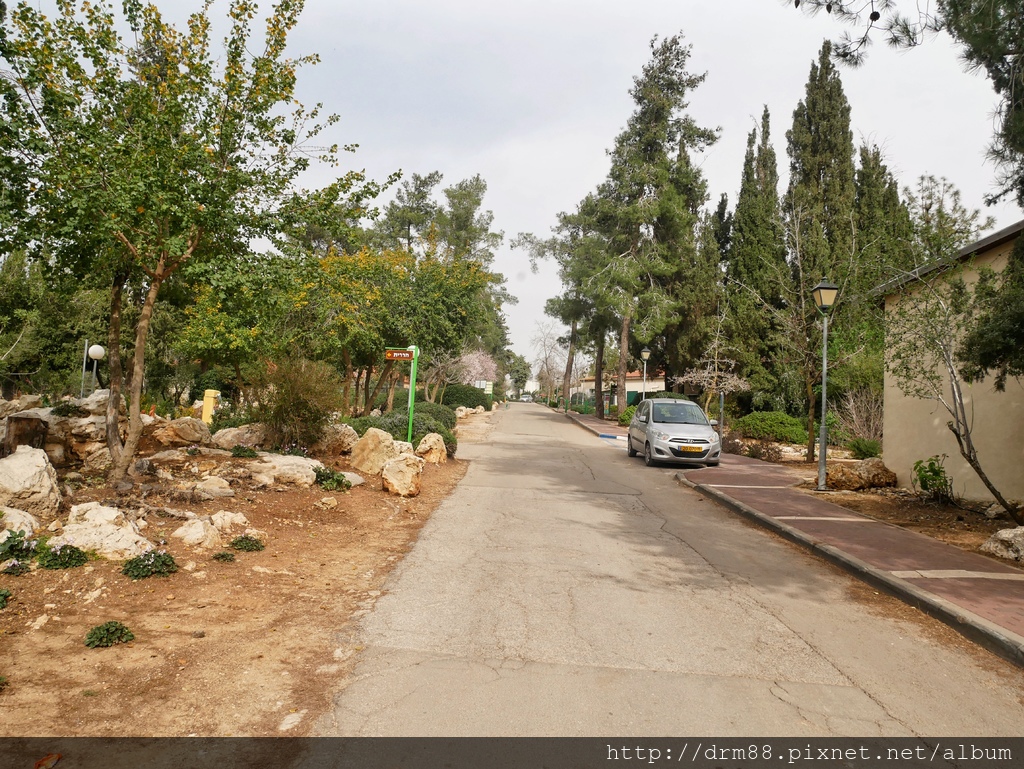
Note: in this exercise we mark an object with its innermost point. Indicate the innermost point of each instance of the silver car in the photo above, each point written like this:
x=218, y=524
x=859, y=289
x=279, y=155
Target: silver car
x=668, y=430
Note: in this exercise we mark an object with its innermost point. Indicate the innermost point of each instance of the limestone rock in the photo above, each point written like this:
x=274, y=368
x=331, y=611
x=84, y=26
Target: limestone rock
x=12, y=519
x=1006, y=543
x=355, y=479
x=371, y=452
x=23, y=403
x=95, y=457
x=402, y=475
x=96, y=403
x=432, y=449
x=215, y=487
x=866, y=474
x=28, y=482
x=403, y=447
x=480, y=410
x=182, y=432
x=93, y=526
x=461, y=412
x=337, y=439
x=284, y=468
x=198, y=533
x=253, y=436
x=224, y=520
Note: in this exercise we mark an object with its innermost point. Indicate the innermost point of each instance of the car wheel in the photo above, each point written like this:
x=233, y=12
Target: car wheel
x=630, y=451
x=648, y=457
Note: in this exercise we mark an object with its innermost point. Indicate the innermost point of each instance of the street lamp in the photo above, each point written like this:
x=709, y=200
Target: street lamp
x=96, y=353
x=644, y=355
x=824, y=297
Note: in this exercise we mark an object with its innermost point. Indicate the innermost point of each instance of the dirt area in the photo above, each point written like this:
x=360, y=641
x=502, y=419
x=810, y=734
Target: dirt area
x=251, y=647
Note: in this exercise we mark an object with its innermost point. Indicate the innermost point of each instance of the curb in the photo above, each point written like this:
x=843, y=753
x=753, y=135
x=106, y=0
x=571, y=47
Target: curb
x=981, y=631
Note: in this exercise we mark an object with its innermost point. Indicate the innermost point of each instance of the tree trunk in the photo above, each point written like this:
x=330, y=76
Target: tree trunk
x=120, y=467
x=384, y=375
x=114, y=445
x=599, y=377
x=367, y=403
x=346, y=389
x=356, y=389
x=622, y=396
x=567, y=379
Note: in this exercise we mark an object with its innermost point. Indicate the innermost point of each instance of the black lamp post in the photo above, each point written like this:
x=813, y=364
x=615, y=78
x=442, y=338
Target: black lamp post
x=824, y=297
x=644, y=355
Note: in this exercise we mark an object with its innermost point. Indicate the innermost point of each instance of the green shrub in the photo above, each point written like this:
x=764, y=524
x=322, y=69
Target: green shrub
x=864, y=448
x=229, y=415
x=16, y=568
x=330, y=480
x=5, y=595
x=397, y=423
x=931, y=477
x=16, y=546
x=155, y=563
x=465, y=395
x=244, y=452
x=224, y=556
x=69, y=409
x=62, y=557
x=627, y=416
x=583, y=408
x=247, y=543
x=771, y=426
x=295, y=401
x=443, y=415
x=108, y=634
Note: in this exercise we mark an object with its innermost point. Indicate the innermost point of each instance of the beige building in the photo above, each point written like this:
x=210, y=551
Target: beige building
x=915, y=429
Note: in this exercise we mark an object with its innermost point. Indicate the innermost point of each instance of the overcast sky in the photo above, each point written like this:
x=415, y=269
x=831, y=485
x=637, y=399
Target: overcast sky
x=531, y=94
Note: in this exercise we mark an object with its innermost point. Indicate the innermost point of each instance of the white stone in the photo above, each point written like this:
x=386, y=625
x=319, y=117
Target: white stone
x=23, y=403
x=253, y=436
x=355, y=479
x=198, y=533
x=461, y=412
x=103, y=530
x=284, y=468
x=371, y=452
x=13, y=519
x=28, y=482
x=337, y=439
x=96, y=512
x=401, y=476
x=432, y=449
x=186, y=431
x=480, y=409
x=1006, y=543
x=224, y=520
x=216, y=487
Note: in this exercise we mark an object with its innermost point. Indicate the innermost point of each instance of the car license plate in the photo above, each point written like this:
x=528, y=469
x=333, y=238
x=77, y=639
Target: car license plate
x=691, y=449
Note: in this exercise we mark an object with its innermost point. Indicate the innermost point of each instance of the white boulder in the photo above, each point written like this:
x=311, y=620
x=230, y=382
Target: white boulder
x=225, y=520
x=1006, y=543
x=401, y=476
x=28, y=482
x=182, y=432
x=432, y=449
x=198, y=533
x=12, y=519
x=374, y=450
x=253, y=436
x=337, y=439
x=284, y=468
x=105, y=530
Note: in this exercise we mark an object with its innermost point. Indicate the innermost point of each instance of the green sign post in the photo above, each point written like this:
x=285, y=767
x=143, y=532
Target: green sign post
x=410, y=353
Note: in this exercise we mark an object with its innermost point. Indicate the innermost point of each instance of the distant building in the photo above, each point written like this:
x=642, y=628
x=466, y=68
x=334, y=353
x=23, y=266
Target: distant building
x=915, y=429
x=634, y=385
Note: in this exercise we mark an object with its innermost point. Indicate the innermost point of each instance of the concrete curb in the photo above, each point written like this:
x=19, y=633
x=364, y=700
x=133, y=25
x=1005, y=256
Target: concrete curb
x=987, y=634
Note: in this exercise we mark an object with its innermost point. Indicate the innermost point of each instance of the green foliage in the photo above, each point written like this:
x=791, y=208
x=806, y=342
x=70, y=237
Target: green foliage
x=331, y=480
x=772, y=426
x=68, y=409
x=583, y=408
x=229, y=415
x=296, y=400
x=108, y=634
x=17, y=568
x=155, y=563
x=16, y=546
x=224, y=556
x=864, y=448
x=397, y=424
x=247, y=543
x=244, y=452
x=62, y=557
x=465, y=395
x=627, y=416
x=5, y=595
x=673, y=396
x=930, y=476
x=440, y=413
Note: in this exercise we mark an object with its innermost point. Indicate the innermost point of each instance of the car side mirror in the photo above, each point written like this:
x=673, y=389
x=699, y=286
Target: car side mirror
x=642, y=418
x=714, y=423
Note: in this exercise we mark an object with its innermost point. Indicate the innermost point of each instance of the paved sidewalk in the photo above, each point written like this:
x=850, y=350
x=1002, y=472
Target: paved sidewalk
x=978, y=596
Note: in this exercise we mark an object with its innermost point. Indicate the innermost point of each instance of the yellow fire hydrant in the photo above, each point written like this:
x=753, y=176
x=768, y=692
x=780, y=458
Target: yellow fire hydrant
x=210, y=398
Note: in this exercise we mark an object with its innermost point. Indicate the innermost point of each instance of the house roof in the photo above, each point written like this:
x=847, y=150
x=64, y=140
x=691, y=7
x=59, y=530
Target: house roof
x=994, y=240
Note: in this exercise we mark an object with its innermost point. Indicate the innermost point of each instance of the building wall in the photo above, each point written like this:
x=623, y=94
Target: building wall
x=916, y=429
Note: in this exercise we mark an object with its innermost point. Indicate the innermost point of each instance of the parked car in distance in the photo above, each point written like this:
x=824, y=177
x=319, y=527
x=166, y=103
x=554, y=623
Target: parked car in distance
x=676, y=431
x=526, y=398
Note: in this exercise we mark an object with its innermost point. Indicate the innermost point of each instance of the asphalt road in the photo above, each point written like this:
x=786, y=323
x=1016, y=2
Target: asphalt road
x=564, y=589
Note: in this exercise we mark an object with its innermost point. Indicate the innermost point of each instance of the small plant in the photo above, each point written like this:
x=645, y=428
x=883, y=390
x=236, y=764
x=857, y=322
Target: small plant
x=108, y=634
x=192, y=450
x=294, y=450
x=69, y=409
x=931, y=476
x=765, y=451
x=16, y=568
x=627, y=416
x=330, y=480
x=5, y=595
x=62, y=557
x=247, y=543
x=864, y=448
x=224, y=556
x=244, y=452
x=3, y=683
x=16, y=546
x=156, y=563
x=771, y=425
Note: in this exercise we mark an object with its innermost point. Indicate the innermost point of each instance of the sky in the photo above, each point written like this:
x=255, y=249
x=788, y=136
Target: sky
x=531, y=94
